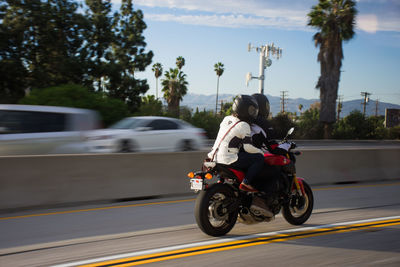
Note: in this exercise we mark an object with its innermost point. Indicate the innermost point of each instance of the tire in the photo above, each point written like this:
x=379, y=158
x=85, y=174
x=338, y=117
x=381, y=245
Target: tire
x=187, y=145
x=211, y=212
x=126, y=146
x=298, y=209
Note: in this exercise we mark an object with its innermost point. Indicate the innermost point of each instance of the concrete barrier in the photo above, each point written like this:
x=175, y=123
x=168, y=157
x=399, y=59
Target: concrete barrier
x=28, y=181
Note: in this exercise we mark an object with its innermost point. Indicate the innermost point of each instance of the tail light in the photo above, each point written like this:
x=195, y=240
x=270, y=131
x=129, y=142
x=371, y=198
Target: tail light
x=208, y=176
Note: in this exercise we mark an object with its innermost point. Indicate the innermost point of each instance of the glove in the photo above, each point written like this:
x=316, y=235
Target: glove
x=285, y=146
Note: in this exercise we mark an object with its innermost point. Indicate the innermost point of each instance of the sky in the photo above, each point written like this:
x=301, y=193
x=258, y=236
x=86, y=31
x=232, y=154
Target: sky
x=205, y=32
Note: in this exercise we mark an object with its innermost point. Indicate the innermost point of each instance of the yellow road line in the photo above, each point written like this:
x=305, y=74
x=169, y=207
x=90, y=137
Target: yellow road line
x=95, y=209
x=355, y=186
x=166, y=202
x=199, y=250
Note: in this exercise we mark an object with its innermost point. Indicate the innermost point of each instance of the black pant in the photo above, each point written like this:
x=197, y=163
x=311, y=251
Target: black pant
x=267, y=180
x=251, y=163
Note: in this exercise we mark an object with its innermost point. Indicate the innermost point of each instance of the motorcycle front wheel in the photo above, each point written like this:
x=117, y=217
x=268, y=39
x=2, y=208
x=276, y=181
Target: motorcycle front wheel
x=298, y=208
x=215, y=210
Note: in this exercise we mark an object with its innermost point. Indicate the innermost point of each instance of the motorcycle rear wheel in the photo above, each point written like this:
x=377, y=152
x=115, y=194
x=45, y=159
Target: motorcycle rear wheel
x=298, y=209
x=212, y=212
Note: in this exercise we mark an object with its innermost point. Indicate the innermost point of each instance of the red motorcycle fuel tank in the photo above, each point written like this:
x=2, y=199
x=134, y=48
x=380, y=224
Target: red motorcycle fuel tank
x=273, y=159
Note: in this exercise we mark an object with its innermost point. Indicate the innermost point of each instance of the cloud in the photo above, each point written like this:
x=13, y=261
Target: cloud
x=371, y=23
x=230, y=21
x=374, y=15
x=265, y=8
x=232, y=14
x=367, y=23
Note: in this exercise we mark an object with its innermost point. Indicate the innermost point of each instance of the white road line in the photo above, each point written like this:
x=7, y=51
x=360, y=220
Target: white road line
x=217, y=241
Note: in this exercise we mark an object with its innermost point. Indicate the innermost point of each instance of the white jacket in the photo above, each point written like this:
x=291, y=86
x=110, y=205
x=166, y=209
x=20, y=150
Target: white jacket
x=239, y=136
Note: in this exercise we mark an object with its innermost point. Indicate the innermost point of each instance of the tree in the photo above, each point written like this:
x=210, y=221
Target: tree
x=99, y=37
x=128, y=56
x=150, y=106
x=45, y=44
x=300, y=107
x=219, y=70
x=174, y=88
x=157, y=69
x=12, y=71
x=335, y=21
x=180, y=62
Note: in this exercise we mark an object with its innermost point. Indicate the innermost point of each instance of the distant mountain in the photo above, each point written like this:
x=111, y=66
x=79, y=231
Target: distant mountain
x=207, y=102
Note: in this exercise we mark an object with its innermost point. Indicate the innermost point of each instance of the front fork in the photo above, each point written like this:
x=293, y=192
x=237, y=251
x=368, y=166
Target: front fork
x=299, y=185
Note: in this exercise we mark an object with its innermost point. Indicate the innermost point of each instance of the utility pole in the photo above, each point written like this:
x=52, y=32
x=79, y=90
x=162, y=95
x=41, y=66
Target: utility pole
x=365, y=101
x=339, y=107
x=283, y=100
x=265, y=52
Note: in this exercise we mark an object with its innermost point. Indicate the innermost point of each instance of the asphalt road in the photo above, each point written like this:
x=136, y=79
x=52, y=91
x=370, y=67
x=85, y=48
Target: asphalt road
x=352, y=225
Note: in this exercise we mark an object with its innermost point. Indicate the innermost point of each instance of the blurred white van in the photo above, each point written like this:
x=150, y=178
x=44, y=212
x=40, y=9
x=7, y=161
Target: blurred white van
x=29, y=129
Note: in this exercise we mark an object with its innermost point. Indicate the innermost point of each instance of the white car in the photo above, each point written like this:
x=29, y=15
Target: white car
x=146, y=134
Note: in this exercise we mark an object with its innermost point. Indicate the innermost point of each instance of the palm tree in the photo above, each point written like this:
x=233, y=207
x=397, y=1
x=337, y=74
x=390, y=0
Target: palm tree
x=174, y=88
x=180, y=62
x=335, y=21
x=157, y=68
x=219, y=69
x=300, y=107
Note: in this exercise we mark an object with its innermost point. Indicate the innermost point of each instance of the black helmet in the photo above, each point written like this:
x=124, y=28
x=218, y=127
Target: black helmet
x=245, y=107
x=263, y=105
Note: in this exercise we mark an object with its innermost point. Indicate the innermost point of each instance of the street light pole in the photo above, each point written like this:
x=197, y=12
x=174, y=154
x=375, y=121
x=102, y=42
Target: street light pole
x=265, y=52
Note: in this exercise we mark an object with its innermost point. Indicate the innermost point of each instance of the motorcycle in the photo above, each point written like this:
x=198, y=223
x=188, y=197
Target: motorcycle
x=220, y=204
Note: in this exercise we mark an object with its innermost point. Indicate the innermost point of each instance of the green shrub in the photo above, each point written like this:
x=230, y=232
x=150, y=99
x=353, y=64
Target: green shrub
x=208, y=121
x=308, y=125
x=393, y=133
x=150, y=106
x=281, y=124
x=72, y=95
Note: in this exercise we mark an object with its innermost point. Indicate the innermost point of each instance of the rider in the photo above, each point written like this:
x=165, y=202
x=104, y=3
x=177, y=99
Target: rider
x=233, y=145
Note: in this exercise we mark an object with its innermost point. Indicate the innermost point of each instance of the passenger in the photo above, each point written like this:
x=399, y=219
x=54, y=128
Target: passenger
x=263, y=136
x=233, y=145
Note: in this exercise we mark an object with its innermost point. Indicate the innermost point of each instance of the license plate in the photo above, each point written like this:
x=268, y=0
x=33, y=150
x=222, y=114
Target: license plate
x=196, y=184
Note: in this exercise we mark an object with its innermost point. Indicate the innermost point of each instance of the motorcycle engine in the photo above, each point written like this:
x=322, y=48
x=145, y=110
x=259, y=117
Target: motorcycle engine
x=248, y=217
